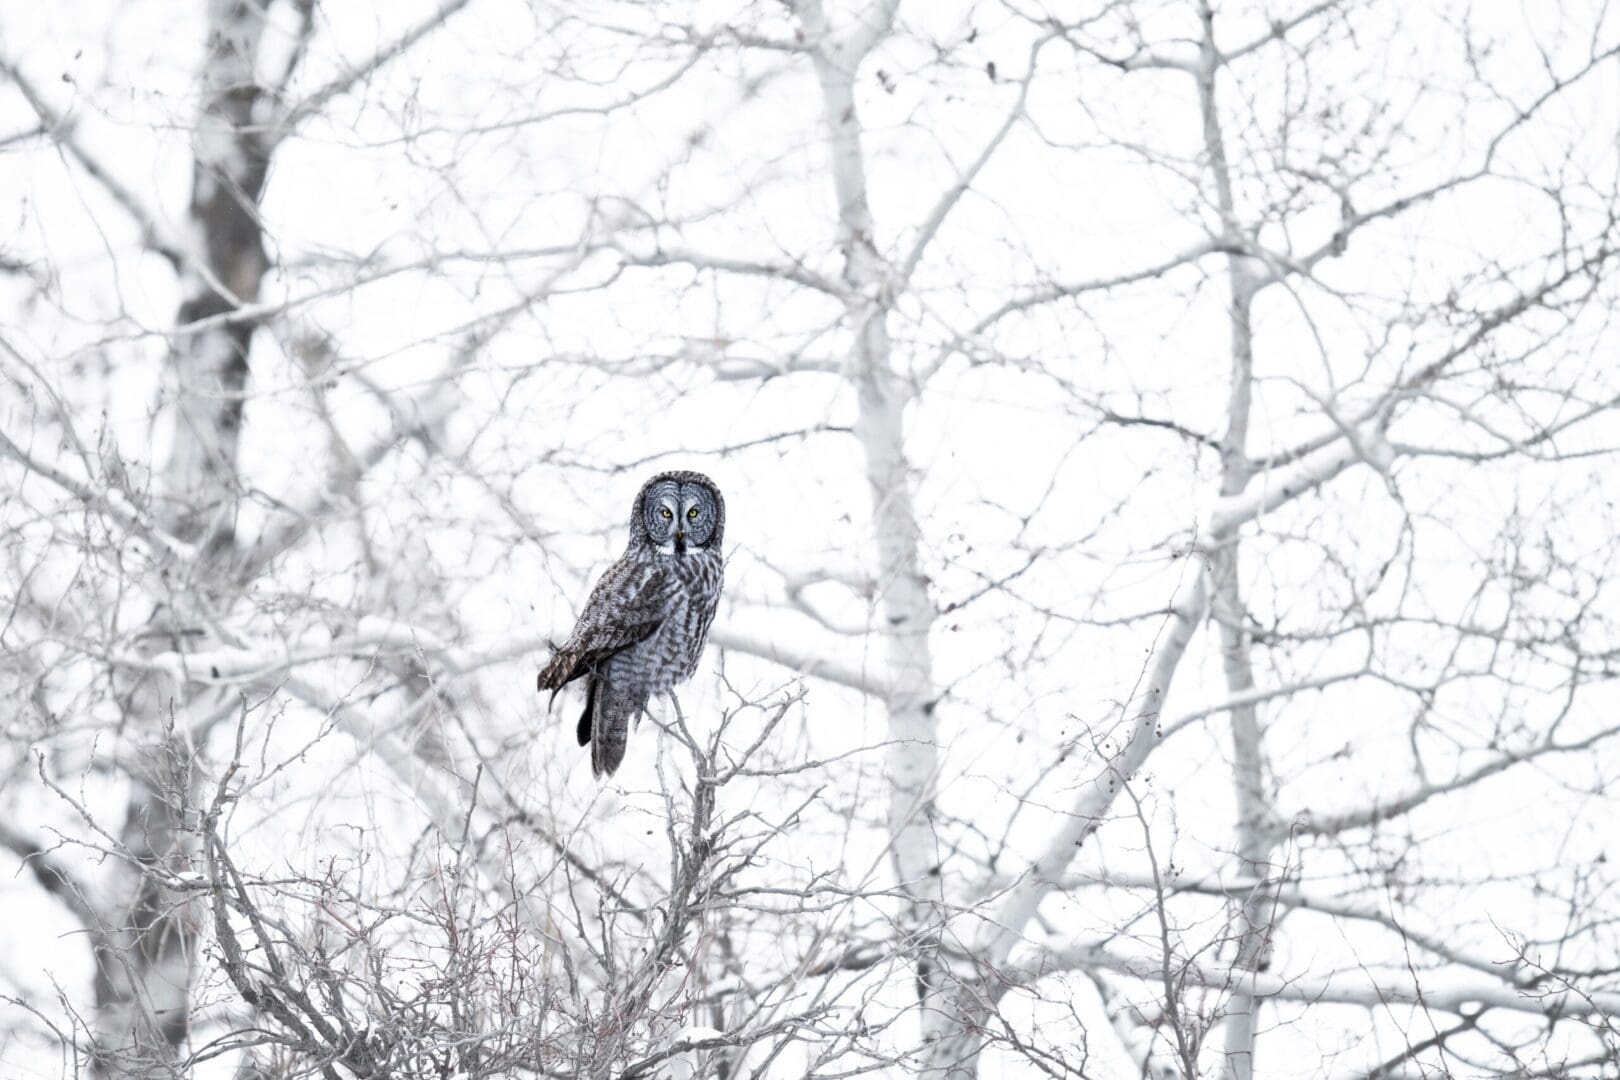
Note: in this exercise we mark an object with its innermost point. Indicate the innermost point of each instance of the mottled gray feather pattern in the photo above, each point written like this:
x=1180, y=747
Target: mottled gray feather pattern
x=644, y=626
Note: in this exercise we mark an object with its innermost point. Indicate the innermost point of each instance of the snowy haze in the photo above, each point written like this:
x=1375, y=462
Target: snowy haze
x=1170, y=614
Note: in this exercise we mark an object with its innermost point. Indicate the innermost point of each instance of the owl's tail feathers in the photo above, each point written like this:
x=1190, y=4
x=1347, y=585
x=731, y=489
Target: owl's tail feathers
x=607, y=752
x=610, y=727
x=604, y=723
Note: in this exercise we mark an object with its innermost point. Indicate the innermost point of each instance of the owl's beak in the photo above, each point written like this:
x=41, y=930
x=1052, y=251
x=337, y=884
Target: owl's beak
x=680, y=542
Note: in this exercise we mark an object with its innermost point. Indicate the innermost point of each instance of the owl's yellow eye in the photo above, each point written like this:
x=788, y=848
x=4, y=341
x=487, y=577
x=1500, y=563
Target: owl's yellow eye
x=666, y=513
x=691, y=515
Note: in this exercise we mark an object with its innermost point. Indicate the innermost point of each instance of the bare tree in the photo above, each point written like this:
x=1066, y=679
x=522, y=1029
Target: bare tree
x=1170, y=620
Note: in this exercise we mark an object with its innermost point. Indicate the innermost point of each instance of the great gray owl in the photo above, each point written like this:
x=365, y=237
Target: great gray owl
x=643, y=628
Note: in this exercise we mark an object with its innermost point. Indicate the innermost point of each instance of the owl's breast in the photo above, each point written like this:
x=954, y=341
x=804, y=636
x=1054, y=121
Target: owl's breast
x=672, y=653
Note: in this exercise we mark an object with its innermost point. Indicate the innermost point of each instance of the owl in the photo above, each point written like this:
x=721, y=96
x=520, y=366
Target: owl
x=643, y=628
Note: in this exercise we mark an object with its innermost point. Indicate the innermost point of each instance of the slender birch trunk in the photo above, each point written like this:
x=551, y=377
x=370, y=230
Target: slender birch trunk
x=143, y=981
x=908, y=613
x=1254, y=838
x=210, y=365
x=960, y=1024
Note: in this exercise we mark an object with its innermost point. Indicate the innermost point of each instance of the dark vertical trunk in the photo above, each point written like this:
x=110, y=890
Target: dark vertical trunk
x=143, y=981
x=210, y=362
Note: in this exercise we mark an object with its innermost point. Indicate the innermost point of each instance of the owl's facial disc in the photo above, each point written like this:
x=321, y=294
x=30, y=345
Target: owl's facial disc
x=677, y=514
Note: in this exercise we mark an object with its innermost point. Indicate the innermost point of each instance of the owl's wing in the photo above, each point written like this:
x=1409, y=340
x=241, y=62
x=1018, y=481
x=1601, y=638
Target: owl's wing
x=624, y=609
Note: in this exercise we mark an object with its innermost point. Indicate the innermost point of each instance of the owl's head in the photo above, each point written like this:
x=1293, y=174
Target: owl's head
x=678, y=511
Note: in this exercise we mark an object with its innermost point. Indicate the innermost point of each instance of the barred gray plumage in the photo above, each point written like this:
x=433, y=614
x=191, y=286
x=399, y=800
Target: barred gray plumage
x=643, y=628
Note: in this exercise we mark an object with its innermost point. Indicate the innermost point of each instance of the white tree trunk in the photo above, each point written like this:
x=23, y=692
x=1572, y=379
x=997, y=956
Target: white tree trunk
x=908, y=613
x=1251, y=914
x=956, y=1053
